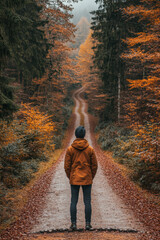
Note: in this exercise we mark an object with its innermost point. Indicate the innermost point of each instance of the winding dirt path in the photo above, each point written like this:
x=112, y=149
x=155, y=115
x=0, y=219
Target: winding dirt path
x=109, y=212
x=112, y=217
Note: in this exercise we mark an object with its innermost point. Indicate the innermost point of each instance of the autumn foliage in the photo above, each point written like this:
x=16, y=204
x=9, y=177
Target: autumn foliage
x=89, y=77
x=37, y=55
x=38, y=75
x=144, y=81
x=130, y=36
x=30, y=139
x=40, y=118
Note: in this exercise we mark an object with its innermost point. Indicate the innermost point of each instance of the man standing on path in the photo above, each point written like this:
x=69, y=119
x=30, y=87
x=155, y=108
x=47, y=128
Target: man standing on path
x=80, y=167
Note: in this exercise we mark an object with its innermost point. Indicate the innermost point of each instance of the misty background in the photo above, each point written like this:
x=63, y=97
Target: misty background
x=82, y=19
x=83, y=9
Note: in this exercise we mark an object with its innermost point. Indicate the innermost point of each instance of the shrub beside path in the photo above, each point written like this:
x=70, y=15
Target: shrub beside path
x=113, y=214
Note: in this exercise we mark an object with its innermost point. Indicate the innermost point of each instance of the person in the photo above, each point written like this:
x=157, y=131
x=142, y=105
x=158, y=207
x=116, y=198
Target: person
x=80, y=166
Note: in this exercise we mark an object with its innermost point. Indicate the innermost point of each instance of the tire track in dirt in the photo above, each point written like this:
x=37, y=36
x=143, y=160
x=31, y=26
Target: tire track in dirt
x=108, y=210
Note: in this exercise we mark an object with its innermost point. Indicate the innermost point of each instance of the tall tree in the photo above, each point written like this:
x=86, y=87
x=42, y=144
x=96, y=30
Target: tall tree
x=85, y=61
x=81, y=33
x=144, y=67
x=88, y=75
x=50, y=90
x=110, y=27
x=23, y=47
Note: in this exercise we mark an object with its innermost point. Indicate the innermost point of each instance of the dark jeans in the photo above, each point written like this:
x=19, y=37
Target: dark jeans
x=87, y=201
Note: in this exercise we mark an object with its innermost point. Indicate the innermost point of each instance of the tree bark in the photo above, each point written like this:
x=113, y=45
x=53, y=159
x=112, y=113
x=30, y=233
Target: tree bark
x=119, y=97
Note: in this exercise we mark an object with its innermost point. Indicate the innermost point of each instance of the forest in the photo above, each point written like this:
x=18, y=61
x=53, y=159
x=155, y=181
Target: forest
x=44, y=57
x=126, y=55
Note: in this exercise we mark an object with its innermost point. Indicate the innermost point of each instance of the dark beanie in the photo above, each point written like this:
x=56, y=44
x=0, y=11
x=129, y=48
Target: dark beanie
x=80, y=132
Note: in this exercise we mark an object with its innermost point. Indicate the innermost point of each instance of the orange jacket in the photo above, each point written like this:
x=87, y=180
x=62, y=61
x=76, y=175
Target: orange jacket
x=80, y=162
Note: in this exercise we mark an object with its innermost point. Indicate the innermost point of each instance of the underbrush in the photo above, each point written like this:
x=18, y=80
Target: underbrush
x=123, y=142
x=25, y=143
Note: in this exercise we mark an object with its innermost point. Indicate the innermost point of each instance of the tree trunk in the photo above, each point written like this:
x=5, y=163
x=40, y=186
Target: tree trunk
x=21, y=77
x=119, y=97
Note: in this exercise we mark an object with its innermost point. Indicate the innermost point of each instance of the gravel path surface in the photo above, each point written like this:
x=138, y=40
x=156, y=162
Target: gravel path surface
x=108, y=210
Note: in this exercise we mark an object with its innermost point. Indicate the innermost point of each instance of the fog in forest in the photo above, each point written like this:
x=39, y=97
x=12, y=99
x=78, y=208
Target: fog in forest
x=83, y=9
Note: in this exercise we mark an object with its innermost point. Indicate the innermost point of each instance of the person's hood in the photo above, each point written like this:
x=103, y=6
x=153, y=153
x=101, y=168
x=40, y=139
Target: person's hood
x=80, y=143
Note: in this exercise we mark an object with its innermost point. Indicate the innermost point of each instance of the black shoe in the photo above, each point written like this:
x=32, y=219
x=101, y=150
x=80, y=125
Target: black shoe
x=88, y=226
x=73, y=227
